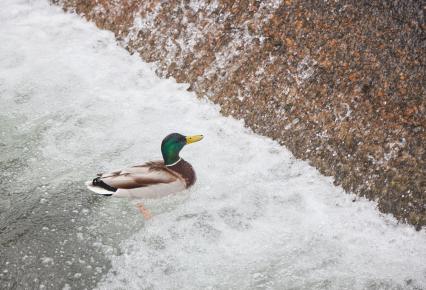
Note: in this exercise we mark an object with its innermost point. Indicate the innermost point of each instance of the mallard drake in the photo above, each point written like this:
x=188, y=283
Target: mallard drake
x=153, y=179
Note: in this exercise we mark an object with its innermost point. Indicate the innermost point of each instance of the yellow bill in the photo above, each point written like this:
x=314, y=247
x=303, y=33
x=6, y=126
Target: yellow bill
x=194, y=138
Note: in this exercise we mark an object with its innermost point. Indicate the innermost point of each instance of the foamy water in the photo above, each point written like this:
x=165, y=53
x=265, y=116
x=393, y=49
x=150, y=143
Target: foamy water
x=74, y=103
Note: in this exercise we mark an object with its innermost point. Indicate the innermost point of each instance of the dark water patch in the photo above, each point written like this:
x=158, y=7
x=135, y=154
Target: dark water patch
x=60, y=237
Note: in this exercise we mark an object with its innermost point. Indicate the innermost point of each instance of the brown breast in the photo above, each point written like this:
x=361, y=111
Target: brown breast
x=185, y=170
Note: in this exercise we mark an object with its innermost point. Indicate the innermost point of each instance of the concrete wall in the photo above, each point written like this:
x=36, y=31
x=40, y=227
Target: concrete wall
x=340, y=83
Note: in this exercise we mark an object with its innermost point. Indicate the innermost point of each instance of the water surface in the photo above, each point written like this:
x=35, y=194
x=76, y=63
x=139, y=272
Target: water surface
x=74, y=103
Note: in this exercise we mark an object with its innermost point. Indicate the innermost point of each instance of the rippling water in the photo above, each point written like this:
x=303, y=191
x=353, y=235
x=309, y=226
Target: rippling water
x=74, y=103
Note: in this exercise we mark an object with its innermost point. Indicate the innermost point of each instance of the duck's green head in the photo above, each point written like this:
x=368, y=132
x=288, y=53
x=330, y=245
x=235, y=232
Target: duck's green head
x=173, y=143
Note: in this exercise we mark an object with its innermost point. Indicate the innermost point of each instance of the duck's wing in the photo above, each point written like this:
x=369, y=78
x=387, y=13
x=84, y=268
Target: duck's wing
x=148, y=174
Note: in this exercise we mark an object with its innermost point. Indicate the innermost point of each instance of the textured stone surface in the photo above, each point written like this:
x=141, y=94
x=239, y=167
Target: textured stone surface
x=340, y=83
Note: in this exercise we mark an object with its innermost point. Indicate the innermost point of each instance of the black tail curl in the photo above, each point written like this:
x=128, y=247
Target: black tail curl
x=98, y=182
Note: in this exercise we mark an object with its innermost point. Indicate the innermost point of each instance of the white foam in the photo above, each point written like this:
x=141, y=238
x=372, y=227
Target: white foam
x=256, y=218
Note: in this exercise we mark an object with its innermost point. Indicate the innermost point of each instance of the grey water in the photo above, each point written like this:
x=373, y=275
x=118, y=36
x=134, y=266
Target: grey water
x=53, y=232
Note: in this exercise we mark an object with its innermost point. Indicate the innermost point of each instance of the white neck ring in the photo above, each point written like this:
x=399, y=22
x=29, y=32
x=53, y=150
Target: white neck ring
x=174, y=163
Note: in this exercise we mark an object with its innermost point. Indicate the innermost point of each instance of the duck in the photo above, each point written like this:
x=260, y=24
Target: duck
x=153, y=179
